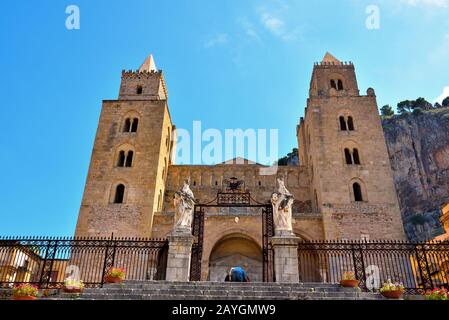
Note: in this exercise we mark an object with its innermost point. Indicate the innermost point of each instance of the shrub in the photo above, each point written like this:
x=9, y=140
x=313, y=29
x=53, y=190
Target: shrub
x=437, y=294
x=116, y=273
x=390, y=286
x=25, y=290
x=349, y=275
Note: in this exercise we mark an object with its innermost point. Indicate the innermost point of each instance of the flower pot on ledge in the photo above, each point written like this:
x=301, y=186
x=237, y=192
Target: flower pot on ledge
x=349, y=283
x=24, y=298
x=393, y=294
x=109, y=279
x=72, y=290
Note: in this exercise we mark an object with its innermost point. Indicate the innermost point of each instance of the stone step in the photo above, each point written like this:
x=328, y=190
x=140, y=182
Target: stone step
x=220, y=286
x=209, y=283
x=224, y=293
x=193, y=297
x=187, y=289
x=163, y=290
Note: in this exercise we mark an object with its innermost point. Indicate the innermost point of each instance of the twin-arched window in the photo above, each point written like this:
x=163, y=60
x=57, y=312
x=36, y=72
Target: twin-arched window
x=352, y=156
x=337, y=84
x=131, y=125
x=125, y=159
x=346, y=123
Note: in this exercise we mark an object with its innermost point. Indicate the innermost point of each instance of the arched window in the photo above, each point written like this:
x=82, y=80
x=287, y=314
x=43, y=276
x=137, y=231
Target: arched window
x=355, y=156
x=333, y=84
x=125, y=159
x=350, y=124
x=135, y=124
x=127, y=125
x=343, y=126
x=340, y=85
x=139, y=90
x=129, y=159
x=357, y=189
x=348, y=156
x=121, y=159
x=119, y=193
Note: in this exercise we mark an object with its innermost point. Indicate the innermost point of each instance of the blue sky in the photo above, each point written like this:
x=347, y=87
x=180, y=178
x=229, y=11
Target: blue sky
x=230, y=64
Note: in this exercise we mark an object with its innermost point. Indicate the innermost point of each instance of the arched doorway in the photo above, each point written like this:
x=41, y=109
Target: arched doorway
x=236, y=250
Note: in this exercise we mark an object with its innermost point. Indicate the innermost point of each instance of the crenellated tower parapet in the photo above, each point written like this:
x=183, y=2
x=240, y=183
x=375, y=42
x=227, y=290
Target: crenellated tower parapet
x=147, y=83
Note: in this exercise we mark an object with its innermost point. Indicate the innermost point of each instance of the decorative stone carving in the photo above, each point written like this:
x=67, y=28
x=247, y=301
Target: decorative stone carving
x=184, y=202
x=282, y=202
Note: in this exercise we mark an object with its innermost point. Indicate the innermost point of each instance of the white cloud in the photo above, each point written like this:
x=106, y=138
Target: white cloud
x=443, y=95
x=219, y=39
x=433, y=3
x=275, y=23
x=249, y=29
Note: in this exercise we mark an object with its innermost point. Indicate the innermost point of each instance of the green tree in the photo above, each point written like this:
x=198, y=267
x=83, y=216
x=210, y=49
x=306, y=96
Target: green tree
x=405, y=106
x=445, y=102
x=387, y=111
x=422, y=104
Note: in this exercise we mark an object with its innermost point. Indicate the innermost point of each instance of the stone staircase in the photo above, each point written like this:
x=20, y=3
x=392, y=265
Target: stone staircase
x=162, y=290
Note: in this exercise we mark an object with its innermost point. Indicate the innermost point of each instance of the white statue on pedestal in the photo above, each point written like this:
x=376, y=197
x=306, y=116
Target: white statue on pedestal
x=184, y=202
x=282, y=202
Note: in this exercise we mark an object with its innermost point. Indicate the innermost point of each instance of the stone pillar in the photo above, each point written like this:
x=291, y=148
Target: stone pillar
x=179, y=256
x=286, y=258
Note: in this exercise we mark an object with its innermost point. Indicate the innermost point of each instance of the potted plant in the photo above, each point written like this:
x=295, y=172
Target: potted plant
x=349, y=280
x=437, y=294
x=392, y=290
x=73, y=286
x=25, y=291
x=115, y=275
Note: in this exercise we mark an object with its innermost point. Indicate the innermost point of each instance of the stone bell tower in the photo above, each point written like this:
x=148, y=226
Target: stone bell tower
x=342, y=143
x=129, y=163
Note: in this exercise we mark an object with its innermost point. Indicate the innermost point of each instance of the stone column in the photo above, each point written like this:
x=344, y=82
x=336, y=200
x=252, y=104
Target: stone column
x=179, y=256
x=286, y=258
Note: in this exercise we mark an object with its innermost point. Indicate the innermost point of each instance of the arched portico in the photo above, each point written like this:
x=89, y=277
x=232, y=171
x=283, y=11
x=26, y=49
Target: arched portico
x=236, y=249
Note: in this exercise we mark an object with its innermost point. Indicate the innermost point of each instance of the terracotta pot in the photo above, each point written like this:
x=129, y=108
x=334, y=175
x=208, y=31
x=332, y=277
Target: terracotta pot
x=72, y=290
x=393, y=294
x=349, y=283
x=109, y=279
x=24, y=298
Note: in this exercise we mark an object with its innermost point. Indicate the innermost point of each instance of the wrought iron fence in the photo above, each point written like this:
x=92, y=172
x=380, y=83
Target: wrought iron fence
x=47, y=262
x=418, y=266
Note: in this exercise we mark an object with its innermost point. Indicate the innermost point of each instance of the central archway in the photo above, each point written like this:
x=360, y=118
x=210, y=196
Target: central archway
x=236, y=250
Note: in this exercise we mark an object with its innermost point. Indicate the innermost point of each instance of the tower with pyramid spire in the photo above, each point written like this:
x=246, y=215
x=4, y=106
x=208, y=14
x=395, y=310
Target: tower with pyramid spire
x=146, y=83
x=342, y=143
x=333, y=77
x=129, y=164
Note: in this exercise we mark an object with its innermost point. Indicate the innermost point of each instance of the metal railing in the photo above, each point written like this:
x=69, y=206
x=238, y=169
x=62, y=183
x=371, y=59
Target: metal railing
x=418, y=266
x=47, y=262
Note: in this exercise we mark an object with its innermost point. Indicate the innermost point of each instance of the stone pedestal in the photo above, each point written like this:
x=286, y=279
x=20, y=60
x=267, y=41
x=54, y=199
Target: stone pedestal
x=179, y=256
x=286, y=258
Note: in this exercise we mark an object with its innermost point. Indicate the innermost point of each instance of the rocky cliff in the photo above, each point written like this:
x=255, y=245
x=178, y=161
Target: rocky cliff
x=418, y=145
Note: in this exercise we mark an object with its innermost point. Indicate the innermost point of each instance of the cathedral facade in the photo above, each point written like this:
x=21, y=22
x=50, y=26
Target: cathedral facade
x=343, y=186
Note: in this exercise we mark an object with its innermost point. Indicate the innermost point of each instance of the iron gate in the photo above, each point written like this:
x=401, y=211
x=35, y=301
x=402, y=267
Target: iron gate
x=232, y=198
